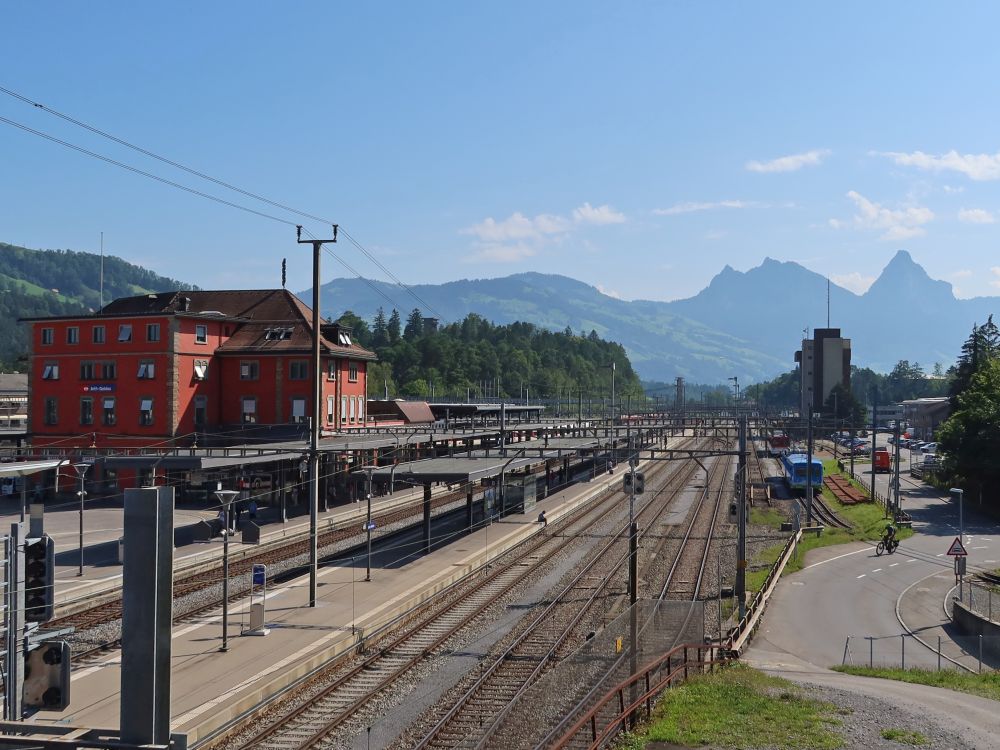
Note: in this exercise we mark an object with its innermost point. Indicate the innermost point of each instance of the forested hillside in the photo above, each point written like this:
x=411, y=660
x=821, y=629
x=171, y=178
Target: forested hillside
x=475, y=358
x=35, y=283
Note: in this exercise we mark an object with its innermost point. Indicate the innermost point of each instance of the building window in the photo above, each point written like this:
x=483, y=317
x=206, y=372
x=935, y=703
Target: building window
x=200, y=410
x=98, y=335
x=343, y=409
x=249, y=370
x=48, y=335
x=277, y=334
x=51, y=410
x=73, y=335
x=109, y=370
x=249, y=409
x=331, y=402
x=146, y=411
x=201, y=334
x=86, y=410
x=50, y=371
x=352, y=409
x=125, y=332
x=147, y=370
x=343, y=338
x=109, y=411
x=200, y=369
x=352, y=374
x=298, y=369
x=298, y=410
x=152, y=332
x=361, y=409
x=331, y=369
x=86, y=370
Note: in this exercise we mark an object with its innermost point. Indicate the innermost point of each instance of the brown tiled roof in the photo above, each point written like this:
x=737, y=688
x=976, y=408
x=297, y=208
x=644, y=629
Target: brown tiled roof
x=256, y=311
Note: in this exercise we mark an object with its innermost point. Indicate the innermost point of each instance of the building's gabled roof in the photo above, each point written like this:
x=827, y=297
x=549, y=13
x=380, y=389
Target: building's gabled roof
x=266, y=319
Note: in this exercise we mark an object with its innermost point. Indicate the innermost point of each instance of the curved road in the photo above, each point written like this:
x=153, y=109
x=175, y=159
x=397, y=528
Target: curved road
x=889, y=606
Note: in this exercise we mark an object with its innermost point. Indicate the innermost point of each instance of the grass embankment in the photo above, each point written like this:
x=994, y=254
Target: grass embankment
x=867, y=524
x=740, y=707
x=986, y=685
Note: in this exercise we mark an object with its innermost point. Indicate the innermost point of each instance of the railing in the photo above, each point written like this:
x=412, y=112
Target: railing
x=909, y=650
x=625, y=701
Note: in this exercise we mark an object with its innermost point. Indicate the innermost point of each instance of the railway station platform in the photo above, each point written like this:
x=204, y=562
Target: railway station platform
x=209, y=687
x=103, y=527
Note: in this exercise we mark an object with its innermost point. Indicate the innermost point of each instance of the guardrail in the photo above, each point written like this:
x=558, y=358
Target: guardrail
x=596, y=727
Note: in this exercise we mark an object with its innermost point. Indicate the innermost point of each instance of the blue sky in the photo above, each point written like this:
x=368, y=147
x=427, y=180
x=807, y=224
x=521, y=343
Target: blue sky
x=638, y=147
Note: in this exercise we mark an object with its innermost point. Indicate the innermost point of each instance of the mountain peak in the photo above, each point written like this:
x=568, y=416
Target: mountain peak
x=905, y=281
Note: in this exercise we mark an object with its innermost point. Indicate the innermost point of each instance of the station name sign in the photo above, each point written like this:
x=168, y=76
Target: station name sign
x=99, y=388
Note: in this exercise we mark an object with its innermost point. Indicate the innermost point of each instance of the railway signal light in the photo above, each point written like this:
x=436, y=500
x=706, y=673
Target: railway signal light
x=634, y=482
x=47, y=676
x=39, y=575
x=734, y=512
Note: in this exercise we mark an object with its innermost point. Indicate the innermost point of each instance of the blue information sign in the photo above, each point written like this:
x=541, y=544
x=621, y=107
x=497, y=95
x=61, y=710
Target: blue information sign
x=259, y=574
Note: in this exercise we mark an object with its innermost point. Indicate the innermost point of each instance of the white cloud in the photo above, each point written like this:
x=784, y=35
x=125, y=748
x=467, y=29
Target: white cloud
x=896, y=224
x=587, y=214
x=692, y=206
x=519, y=236
x=517, y=226
x=499, y=253
x=854, y=281
x=790, y=163
x=975, y=216
x=609, y=292
x=952, y=189
x=974, y=166
x=962, y=273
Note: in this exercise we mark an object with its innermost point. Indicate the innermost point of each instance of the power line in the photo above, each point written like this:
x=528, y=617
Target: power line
x=143, y=173
x=202, y=175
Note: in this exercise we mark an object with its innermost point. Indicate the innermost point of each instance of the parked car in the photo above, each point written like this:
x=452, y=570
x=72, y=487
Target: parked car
x=929, y=448
x=916, y=445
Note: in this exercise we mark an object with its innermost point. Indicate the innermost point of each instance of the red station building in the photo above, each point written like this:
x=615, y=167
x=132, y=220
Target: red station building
x=176, y=369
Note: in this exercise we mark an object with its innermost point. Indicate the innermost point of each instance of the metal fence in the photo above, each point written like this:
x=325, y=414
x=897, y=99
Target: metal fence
x=972, y=653
x=581, y=680
x=979, y=599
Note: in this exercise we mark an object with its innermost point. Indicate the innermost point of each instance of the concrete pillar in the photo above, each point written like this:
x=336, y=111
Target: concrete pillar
x=147, y=595
x=427, y=517
x=548, y=478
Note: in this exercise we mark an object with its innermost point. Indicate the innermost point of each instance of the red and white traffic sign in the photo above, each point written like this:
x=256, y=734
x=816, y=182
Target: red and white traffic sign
x=957, y=548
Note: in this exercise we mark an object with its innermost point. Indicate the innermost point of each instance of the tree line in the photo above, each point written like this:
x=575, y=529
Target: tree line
x=474, y=358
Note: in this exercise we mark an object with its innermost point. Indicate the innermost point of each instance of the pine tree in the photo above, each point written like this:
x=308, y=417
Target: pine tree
x=414, y=325
x=394, y=327
x=380, y=329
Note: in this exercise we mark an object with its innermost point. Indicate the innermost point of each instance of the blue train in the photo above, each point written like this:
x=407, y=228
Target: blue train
x=795, y=471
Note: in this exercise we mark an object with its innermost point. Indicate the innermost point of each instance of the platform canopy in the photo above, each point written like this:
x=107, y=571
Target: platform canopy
x=26, y=468
x=200, y=459
x=457, y=469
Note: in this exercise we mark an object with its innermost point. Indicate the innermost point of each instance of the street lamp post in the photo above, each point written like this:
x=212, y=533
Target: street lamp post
x=81, y=471
x=226, y=498
x=368, y=525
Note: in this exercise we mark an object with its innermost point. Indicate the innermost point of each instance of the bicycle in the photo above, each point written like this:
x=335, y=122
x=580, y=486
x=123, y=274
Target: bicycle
x=886, y=545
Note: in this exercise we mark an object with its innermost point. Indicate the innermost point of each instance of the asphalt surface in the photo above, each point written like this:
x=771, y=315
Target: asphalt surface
x=849, y=605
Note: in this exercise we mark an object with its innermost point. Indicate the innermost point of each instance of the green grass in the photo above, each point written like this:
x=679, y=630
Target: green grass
x=739, y=707
x=867, y=520
x=904, y=736
x=766, y=516
x=986, y=685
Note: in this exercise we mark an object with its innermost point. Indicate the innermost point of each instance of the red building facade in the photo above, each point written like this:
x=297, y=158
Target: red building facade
x=194, y=367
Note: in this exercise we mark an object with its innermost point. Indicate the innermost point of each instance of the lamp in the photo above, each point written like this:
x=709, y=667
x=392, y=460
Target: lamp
x=226, y=498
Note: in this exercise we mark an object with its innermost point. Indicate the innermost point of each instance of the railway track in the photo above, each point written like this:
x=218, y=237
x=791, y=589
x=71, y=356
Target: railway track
x=110, y=611
x=479, y=718
x=311, y=723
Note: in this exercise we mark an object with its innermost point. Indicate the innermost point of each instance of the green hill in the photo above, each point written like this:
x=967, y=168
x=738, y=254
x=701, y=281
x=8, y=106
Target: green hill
x=36, y=283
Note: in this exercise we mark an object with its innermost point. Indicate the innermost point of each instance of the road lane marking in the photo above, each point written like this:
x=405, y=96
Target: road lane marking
x=846, y=554
x=893, y=565
x=980, y=548
x=940, y=554
x=912, y=560
x=862, y=575
x=877, y=570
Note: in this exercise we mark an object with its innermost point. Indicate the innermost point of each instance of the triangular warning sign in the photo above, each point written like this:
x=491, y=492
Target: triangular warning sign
x=956, y=548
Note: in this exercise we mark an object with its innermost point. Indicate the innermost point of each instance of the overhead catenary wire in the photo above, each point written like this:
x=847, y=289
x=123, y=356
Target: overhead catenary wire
x=201, y=175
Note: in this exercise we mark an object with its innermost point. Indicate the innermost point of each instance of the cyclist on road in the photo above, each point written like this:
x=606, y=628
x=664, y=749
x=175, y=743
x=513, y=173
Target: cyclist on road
x=889, y=537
